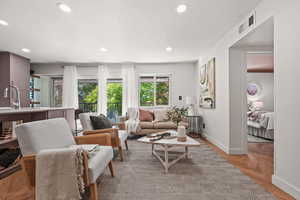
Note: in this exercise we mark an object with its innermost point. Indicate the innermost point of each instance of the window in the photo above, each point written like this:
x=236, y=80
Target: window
x=114, y=98
x=88, y=94
x=154, y=90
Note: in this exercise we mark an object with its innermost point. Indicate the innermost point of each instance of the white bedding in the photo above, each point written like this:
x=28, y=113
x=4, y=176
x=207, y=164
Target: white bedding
x=266, y=121
x=270, y=117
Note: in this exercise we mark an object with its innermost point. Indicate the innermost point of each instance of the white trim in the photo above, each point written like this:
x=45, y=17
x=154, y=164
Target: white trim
x=216, y=143
x=237, y=151
x=244, y=128
x=285, y=186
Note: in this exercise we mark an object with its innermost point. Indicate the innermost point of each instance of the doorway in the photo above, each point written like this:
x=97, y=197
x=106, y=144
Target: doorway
x=251, y=83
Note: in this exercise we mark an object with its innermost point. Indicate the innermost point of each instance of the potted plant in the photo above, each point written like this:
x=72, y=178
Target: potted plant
x=176, y=114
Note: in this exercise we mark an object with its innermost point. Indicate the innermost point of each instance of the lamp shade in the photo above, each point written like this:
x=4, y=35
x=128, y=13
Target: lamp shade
x=189, y=100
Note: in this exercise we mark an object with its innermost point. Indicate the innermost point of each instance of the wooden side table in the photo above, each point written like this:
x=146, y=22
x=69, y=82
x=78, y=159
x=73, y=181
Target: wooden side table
x=195, y=125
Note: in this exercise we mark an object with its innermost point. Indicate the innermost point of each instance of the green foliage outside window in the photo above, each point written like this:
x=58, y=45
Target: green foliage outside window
x=147, y=93
x=162, y=93
x=88, y=93
x=114, y=97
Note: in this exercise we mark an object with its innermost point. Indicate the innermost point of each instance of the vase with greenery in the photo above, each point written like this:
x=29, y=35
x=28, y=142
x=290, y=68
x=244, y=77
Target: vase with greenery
x=176, y=114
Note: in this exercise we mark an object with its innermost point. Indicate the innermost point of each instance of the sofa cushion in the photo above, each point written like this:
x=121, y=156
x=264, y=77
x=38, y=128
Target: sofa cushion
x=100, y=122
x=86, y=121
x=98, y=162
x=165, y=125
x=146, y=115
x=160, y=115
x=147, y=125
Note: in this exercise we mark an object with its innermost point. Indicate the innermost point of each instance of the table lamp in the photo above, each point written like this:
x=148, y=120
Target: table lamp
x=190, y=103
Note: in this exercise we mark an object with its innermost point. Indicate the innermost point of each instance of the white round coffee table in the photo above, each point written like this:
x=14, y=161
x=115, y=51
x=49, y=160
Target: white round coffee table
x=166, y=145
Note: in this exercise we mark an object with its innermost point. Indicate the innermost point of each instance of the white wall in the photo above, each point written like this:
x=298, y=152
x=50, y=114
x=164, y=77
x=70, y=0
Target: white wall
x=47, y=69
x=183, y=74
x=287, y=72
x=266, y=81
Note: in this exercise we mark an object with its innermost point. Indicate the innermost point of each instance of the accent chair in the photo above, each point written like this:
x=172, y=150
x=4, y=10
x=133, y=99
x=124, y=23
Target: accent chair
x=118, y=137
x=56, y=133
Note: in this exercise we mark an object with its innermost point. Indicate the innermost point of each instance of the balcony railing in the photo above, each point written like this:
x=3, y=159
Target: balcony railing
x=88, y=107
x=113, y=109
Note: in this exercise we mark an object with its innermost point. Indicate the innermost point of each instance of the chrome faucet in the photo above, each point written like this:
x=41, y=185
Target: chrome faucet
x=17, y=104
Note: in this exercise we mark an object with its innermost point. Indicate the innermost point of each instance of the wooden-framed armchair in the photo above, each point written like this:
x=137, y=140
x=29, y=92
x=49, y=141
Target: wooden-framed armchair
x=55, y=133
x=118, y=137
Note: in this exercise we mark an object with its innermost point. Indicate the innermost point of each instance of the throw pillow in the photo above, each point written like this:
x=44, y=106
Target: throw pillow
x=146, y=116
x=160, y=115
x=100, y=122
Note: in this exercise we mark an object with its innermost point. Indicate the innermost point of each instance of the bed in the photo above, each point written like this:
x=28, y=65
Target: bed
x=261, y=124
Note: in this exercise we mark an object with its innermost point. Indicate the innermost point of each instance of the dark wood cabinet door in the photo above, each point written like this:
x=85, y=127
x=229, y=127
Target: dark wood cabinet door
x=56, y=114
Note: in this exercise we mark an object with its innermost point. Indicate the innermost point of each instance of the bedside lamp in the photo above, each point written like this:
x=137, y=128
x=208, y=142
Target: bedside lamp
x=189, y=101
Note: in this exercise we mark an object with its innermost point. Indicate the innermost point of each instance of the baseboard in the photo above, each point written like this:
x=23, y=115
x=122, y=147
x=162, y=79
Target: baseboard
x=237, y=151
x=285, y=186
x=215, y=142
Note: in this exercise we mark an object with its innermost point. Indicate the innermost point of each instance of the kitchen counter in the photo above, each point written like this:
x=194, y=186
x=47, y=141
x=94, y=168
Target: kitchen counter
x=28, y=114
x=30, y=110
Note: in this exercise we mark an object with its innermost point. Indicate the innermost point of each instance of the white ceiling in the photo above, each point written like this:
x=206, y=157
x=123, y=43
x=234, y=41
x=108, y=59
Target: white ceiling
x=131, y=30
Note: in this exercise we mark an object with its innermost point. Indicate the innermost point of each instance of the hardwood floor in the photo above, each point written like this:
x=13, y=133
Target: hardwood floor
x=15, y=187
x=258, y=164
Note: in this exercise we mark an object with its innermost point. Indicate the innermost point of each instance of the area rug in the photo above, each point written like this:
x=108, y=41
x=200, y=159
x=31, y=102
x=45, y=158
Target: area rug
x=205, y=176
x=253, y=139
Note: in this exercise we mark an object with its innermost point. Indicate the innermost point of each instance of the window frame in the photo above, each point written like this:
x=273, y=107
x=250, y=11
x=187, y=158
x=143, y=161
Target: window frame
x=154, y=93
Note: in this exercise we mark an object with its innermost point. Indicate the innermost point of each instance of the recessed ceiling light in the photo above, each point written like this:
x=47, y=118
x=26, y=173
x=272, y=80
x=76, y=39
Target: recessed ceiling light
x=181, y=8
x=169, y=49
x=103, y=49
x=64, y=7
x=3, y=23
x=26, y=50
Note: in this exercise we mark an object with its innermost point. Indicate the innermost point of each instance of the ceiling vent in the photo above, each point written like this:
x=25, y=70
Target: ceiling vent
x=248, y=23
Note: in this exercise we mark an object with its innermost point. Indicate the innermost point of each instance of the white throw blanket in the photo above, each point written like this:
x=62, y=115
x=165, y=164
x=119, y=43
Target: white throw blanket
x=270, y=117
x=132, y=125
x=59, y=174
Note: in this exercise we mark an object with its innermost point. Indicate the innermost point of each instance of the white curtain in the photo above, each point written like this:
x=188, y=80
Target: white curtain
x=130, y=88
x=102, y=84
x=70, y=87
